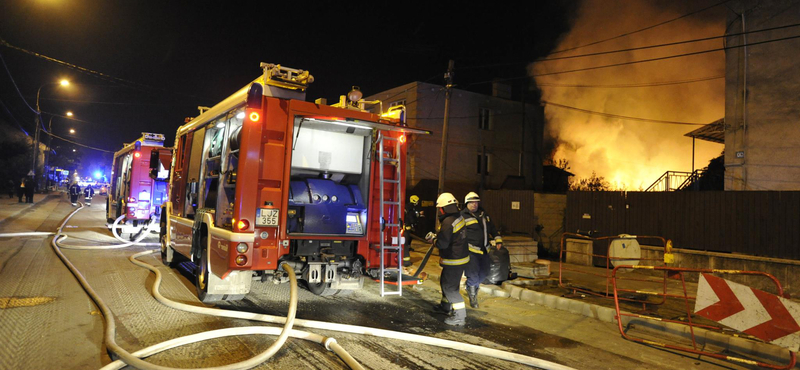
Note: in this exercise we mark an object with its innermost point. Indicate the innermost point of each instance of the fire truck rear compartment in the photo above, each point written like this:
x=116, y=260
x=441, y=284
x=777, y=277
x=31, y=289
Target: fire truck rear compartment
x=330, y=175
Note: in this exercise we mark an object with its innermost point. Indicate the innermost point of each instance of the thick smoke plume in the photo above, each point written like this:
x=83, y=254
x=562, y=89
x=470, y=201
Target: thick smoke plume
x=632, y=154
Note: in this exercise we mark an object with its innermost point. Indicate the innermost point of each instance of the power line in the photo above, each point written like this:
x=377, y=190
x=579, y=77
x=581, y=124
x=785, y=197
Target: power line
x=641, y=29
x=101, y=75
x=15, y=83
x=634, y=48
x=14, y=118
x=77, y=143
x=611, y=115
x=644, y=84
x=666, y=44
x=660, y=58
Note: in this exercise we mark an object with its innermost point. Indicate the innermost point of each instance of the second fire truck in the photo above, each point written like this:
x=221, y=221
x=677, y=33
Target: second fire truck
x=265, y=178
x=139, y=182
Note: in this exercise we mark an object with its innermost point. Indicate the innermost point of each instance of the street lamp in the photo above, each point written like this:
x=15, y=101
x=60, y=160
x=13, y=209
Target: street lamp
x=72, y=131
x=69, y=114
x=38, y=124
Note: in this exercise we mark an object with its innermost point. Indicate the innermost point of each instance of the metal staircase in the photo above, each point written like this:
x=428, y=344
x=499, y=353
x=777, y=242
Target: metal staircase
x=390, y=226
x=675, y=180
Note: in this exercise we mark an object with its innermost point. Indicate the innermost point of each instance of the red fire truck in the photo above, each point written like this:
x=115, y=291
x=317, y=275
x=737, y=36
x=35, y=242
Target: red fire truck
x=264, y=178
x=139, y=182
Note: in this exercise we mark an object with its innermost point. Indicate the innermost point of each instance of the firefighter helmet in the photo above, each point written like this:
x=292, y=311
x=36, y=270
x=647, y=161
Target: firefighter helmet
x=445, y=199
x=414, y=199
x=472, y=197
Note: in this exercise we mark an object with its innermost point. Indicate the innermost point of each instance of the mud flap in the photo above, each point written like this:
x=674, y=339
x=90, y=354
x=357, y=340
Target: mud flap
x=236, y=283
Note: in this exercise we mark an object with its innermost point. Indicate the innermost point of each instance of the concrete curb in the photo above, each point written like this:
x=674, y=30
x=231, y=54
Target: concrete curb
x=705, y=338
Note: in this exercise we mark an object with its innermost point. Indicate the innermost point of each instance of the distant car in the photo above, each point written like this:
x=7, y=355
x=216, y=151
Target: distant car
x=103, y=190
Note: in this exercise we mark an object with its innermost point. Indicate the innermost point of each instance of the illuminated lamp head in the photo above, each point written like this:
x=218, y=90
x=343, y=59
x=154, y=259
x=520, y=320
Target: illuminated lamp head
x=242, y=224
x=402, y=139
x=254, y=116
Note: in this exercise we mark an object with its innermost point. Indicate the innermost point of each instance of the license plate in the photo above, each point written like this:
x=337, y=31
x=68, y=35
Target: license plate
x=267, y=217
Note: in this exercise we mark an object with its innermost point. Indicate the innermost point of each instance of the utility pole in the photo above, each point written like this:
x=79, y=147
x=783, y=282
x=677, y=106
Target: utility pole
x=448, y=77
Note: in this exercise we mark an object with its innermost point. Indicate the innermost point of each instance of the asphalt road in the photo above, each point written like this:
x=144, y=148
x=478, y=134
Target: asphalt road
x=48, y=322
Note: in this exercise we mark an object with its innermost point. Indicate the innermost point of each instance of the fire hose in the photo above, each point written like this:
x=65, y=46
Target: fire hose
x=288, y=321
x=130, y=359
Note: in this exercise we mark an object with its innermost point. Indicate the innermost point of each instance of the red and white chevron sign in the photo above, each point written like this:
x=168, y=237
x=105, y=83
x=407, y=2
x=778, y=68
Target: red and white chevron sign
x=760, y=314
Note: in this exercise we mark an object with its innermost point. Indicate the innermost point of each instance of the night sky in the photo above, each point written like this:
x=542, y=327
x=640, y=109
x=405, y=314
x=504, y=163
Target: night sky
x=165, y=58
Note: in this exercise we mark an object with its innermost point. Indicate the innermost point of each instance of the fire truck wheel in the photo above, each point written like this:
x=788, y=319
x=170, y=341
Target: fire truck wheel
x=167, y=256
x=201, y=275
x=322, y=289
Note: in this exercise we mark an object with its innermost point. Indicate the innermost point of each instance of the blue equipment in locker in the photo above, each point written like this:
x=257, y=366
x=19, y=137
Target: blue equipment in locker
x=321, y=206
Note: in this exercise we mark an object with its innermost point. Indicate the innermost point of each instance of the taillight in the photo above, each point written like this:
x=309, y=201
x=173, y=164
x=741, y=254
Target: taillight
x=241, y=260
x=137, y=154
x=254, y=116
x=241, y=248
x=242, y=225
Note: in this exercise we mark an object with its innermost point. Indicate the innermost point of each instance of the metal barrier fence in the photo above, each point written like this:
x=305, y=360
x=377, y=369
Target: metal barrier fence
x=678, y=274
x=609, y=262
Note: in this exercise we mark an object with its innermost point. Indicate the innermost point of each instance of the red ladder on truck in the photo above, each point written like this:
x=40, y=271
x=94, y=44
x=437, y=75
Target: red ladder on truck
x=390, y=226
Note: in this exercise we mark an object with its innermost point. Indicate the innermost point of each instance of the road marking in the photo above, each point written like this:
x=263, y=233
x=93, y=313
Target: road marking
x=11, y=302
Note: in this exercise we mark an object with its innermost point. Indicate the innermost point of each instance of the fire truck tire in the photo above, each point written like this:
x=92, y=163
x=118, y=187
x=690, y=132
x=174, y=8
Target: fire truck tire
x=201, y=275
x=322, y=289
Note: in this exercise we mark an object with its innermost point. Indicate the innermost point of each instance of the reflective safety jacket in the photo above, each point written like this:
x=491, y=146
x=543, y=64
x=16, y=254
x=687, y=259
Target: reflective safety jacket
x=452, y=240
x=75, y=189
x=480, y=230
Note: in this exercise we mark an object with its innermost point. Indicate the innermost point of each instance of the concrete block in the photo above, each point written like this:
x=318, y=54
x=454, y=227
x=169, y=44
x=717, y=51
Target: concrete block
x=550, y=300
x=500, y=293
x=577, y=307
x=515, y=292
x=579, y=252
x=562, y=303
x=527, y=295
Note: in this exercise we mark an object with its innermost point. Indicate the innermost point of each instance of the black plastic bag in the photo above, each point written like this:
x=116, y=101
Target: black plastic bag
x=499, y=264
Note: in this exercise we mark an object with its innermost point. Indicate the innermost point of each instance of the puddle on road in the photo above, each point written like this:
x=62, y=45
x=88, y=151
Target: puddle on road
x=11, y=302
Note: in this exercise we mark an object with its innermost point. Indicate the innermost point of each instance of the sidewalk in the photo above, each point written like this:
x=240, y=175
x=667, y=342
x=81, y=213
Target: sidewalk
x=546, y=292
x=11, y=207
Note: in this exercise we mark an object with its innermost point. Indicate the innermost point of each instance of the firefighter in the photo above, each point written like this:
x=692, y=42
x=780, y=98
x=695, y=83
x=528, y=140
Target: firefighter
x=412, y=216
x=451, y=240
x=74, y=192
x=481, y=234
x=88, y=193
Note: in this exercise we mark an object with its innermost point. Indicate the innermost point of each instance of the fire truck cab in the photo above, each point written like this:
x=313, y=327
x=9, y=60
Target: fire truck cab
x=139, y=182
x=265, y=178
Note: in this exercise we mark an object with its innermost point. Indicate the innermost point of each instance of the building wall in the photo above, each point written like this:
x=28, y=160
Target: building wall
x=765, y=129
x=503, y=142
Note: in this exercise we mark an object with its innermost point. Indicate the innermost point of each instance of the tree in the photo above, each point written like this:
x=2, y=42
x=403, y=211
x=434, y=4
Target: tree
x=592, y=183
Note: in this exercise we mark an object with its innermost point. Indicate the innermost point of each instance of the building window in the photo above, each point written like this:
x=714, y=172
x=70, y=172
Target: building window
x=484, y=162
x=397, y=102
x=485, y=119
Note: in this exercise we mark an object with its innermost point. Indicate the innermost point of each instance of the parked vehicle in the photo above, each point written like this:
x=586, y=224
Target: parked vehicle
x=265, y=178
x=137, y=191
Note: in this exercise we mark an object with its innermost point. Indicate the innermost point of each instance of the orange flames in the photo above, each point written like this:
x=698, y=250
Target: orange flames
x=632, y=154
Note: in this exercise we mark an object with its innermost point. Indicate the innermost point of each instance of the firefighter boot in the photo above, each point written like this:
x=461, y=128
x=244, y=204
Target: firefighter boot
x=444, y=307
x=472, y=292
x=458, y=318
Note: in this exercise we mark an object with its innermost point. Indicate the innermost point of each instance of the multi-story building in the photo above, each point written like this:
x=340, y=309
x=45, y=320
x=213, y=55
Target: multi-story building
x=493, y=142
x=762, y=113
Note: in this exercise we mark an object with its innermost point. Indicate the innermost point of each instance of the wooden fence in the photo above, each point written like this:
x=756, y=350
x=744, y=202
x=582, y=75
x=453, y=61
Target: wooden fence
x=759, y=223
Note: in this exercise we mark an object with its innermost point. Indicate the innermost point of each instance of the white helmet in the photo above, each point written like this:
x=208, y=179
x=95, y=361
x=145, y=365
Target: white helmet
x=472, y=197
x=445, y=199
